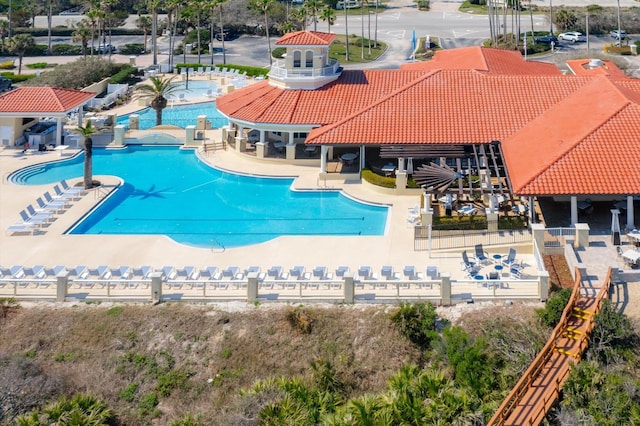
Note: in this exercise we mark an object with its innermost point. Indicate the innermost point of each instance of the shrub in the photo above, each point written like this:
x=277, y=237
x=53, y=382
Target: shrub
x=417, y=322
x=38, y=65
x=301, y=320
x=129, y=393
x=552, y=311
x=115, y=311
x=148, y=404
x=37, y=50
x=375, y=179
x=127, y=75
x=77, y=74
x=8, y=65
x=65, y=49
x=18, y=78
x=132, y=49
x=278, y=52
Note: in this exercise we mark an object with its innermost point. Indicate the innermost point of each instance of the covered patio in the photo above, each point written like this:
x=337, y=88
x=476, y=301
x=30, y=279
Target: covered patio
x=23, y=107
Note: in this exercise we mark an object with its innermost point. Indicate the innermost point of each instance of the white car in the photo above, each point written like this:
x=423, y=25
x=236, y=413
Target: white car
x=572, y=36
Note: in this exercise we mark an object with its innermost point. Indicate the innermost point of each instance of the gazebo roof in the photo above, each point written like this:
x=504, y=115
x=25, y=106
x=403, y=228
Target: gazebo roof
x=42, y=101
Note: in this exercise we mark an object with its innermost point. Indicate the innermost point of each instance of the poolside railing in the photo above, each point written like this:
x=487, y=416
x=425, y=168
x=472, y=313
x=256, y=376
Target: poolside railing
x=440, y=291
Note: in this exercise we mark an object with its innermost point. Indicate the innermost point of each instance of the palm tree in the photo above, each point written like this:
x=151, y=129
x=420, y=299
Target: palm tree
x=19, y=44
x=49, y=18
x=346, y=33
x=86, y=132
x=173, y=10
x=263, y=6
x=153, y=6
x=313, y=7
x=328, y=15
x=92, y=16
x=158, y=91
x=4, y=32
x=144, y=23
x=82, y=35
x=224, y=54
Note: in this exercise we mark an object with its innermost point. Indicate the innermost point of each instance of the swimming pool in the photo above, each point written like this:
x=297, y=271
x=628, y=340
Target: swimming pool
x=170, y=192
x=178, y=115
x=197, y=89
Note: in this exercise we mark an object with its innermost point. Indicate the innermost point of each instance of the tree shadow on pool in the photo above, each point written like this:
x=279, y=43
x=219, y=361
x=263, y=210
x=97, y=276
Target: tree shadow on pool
x=151, y=192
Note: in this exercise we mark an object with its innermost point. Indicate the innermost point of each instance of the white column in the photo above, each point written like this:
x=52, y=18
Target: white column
x=531, y=209
x=362, y=159
x=58, y=130
x=401, y=164
x=323, y=159
x=630, y=219
x=262, y=133
x=574, y=210
x=291, y=139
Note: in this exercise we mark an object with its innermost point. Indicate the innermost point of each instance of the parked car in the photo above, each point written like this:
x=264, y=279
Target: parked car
x=572, y=36
x=5, y=84
x=621, y=36
x=105, y=48
x=228, y=35
x=548, y=39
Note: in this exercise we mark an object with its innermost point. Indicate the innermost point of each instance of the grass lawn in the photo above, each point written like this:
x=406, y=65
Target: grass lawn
x=337, y=50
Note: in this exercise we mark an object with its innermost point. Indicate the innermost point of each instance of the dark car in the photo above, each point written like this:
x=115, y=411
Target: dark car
x=5, y=84
x=547, y=39
x=227, y=34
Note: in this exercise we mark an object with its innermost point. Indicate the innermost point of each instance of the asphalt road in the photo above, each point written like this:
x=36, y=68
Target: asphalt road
x=394, y=26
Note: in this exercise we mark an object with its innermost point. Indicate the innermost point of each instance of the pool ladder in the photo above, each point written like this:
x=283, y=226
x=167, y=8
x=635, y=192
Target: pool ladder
x=216, y=246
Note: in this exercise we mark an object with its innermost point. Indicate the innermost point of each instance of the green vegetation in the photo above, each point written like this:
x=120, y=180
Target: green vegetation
x=337, y=49
x=133, y=49
x=127, y=75
x=417, y=322
x=376, y=179
x=18, y=78
x=77, y=74
x=353, y=366
x=552, y=312
x=251, y=71
x=8, y=65
x=603, y=388
x=39, y=65
x=78, y=410
x=460, y=222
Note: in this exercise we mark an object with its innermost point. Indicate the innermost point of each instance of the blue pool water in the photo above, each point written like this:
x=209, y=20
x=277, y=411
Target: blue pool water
x=197, y=89
x=178, y=115
x=168, y=191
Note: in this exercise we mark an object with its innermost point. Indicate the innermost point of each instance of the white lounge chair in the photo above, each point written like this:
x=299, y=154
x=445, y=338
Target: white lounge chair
x=32, y=220
x=42, y=215
x=200, y=70
x=297, y=272
x=409, y=272
x=70, y=189
x=51, y=200
x=142, y=272
x=387, y=272
x=481, y=255
x=510, y=260
x=51, y=208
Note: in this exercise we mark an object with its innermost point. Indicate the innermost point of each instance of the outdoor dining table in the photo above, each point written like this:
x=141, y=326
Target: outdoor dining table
x=388, y=169
x=349, y=157
x=634, y=236
x=61, y=148
x=632, y=256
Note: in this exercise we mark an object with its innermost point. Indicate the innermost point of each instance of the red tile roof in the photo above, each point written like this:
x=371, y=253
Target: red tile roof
x=450, y=106
x=495, y=61
x=42, y=100
x=588, y=67
x=559, y=134
x=583, y=145
x=353, y=91
x=306, y=38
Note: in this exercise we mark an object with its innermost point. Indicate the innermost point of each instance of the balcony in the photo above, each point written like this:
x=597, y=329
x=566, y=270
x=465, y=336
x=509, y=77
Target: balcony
x=299, y=78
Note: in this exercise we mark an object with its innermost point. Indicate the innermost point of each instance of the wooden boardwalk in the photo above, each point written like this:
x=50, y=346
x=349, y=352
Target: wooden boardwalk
x=540, y=385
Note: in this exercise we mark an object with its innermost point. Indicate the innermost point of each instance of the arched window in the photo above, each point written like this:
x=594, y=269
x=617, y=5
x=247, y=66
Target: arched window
x=308, y=59
x=297, y=57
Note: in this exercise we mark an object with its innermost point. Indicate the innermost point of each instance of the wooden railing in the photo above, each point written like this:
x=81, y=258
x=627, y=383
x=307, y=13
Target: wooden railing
x=536, y=368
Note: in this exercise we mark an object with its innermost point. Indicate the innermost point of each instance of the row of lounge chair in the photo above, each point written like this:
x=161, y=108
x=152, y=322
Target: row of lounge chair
x=211, y=273
x=49, y=206
x=217, y=71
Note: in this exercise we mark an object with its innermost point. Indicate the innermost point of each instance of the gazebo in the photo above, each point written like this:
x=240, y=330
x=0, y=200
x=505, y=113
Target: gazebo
x=19, y=109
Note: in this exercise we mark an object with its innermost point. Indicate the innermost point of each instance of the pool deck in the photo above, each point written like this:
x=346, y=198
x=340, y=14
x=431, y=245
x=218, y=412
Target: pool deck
x=53, y=247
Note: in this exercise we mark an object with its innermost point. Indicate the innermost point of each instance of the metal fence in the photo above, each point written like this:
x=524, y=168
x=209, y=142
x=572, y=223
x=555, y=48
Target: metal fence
x=556, y=237
x=426, y=238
